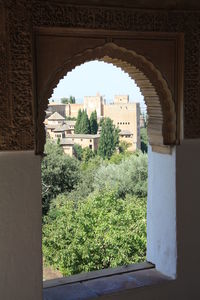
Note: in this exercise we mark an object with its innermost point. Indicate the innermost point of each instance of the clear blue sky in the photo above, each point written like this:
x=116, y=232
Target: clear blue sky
x=95, y=76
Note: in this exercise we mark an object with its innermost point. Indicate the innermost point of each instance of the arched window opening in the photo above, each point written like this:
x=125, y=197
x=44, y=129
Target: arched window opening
x=161, y=129
x=95, y=208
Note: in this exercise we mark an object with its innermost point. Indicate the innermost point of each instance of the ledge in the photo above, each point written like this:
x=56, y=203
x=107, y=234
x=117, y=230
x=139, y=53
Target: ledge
x=98, y=283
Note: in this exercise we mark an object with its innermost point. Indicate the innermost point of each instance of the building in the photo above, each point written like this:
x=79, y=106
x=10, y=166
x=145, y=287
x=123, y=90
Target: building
x=125, y=116
x=71, y=110
x=84, y=140
x=92, y=103
x=56, y=107
x=156, y=39
x=57, y=127
x=55, y=119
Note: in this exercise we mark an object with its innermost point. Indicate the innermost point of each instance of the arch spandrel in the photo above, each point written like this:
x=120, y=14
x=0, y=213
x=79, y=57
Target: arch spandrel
x=157, y=95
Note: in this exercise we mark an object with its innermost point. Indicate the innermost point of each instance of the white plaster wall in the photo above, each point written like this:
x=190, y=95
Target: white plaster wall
x=161, y=212
x=20, y=226
x=186, y=285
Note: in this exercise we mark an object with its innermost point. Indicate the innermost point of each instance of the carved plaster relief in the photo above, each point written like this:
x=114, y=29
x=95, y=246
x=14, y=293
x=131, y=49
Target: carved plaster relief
x=16, y=75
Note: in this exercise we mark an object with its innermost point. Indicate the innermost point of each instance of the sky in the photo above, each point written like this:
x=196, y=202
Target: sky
x=98, y=77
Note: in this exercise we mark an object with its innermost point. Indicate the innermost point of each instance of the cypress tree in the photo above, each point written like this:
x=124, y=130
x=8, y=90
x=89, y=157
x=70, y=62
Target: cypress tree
x=78, y=122
x=109, y=139
x=84, y=123
x=93, y=123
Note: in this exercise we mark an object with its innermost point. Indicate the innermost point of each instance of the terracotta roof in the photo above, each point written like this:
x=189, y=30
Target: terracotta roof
x=56, y=116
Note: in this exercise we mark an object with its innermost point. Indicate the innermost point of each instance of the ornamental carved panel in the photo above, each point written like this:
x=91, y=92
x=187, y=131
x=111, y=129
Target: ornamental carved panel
x=20, y=18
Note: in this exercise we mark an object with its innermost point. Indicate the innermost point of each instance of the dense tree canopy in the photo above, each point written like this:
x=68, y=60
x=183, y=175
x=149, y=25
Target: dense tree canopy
x=100, y=232
x=109, y=139
x=60, y=173
x=127, y=177
x=95, y=208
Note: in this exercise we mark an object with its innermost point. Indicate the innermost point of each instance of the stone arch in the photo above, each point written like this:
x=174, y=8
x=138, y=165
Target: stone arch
x=157, y=95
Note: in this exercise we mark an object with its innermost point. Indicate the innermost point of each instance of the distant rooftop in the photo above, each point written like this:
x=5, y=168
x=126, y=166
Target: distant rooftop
x=61, y=128
x=56, y=116
x=51, y=126
x=72, y=123
x=56, y=104
x=66, y=142
x=125, y=132
x=84, y=136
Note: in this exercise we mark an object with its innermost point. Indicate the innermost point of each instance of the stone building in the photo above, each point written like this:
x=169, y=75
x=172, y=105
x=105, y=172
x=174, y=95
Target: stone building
x=92, y=103
x=125, y=116
x=84, y=140
x=55, y=119
x=57, y=127
x=56, y=107
x=156, y=43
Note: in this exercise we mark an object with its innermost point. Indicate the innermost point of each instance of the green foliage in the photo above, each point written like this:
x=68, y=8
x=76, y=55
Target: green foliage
x=78, y=121
x=78, y=151
x=109, y=139
x=116, y=158
x=123, y=146
x=127, y=177
x=70, y=100
x=82, y=123
x=98, y=216
x=93, y=123
x=85, y=184
x=87, y=154
x=60, y=173
x=100, y=232
x=144, y=139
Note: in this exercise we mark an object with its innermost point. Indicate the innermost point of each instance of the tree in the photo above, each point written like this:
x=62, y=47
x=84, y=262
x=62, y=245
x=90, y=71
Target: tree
x=60, y=173
x=84, y=123
x=78, y=122
x=144, y=139
x=87, y=154
x=78, y=151
x=127, y=177
x=109, y=139
x=100, y=232
x=123, y=146
x=70, y=100
x=93, y=123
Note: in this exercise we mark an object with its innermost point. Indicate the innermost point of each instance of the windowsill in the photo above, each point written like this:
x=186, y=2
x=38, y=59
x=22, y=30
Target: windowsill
x=97, y=283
